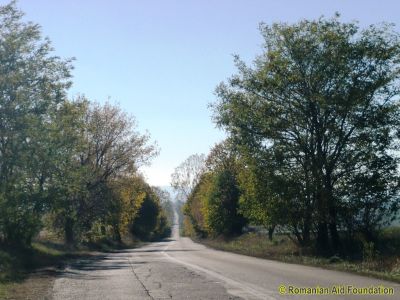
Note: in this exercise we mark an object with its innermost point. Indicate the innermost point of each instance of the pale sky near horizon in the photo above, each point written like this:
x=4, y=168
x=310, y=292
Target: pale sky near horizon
x=161, y=60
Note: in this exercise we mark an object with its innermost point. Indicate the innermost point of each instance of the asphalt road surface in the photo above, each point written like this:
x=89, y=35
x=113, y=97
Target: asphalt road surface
x=178, y=268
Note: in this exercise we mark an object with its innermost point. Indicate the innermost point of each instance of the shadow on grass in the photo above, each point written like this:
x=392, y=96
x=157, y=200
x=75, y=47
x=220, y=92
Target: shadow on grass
x=49, y=258
x=42, y=258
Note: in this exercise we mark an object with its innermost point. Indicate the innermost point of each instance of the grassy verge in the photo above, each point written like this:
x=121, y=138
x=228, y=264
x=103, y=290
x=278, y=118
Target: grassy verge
x=16, y=264
x=385, y=267
x=44, y=259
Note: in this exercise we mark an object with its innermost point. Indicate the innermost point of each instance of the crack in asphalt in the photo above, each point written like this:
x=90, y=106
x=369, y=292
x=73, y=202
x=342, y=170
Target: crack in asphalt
x=137, y=277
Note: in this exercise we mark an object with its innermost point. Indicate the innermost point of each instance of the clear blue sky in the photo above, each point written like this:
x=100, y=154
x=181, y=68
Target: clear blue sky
x=161, y=60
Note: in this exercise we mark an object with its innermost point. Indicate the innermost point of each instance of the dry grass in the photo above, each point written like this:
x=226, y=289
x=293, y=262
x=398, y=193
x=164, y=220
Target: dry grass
x=29, y=273
x=385, y=265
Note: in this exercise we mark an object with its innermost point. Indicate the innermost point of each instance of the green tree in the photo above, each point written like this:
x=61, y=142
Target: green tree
x=194, y=223
x=151, y=222
x=74, y=161
x=112, y=150
x=68, y=177
x=259, y=202
x=320, y=106
x=212, y=207
x=127, y=196
x=33, y=84
x=222, y=215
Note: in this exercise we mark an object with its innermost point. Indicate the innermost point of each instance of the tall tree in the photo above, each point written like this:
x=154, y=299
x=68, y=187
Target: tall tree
x=112, y=151
x=322, y=101
x=212, y=207
x=33, y=82
x=221, y=211
x=124, y=204
x=151, y=221
x=68, y=177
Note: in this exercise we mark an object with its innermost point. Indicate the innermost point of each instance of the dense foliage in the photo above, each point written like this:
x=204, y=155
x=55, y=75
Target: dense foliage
x=314, y=127
x=68, y=165
x=212, y=207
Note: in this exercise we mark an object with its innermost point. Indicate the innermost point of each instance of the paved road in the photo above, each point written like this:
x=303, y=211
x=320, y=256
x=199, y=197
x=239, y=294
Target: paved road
x=181, y=269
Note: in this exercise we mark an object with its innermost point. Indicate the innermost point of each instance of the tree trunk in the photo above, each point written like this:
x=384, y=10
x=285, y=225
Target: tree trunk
x=306, y=234
x=271, y=230
x=69, y=231
x=117, y=234
x=103, y=230
x=335, y=239
x=323, y=238
x=307, y=225
x=334, y=234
